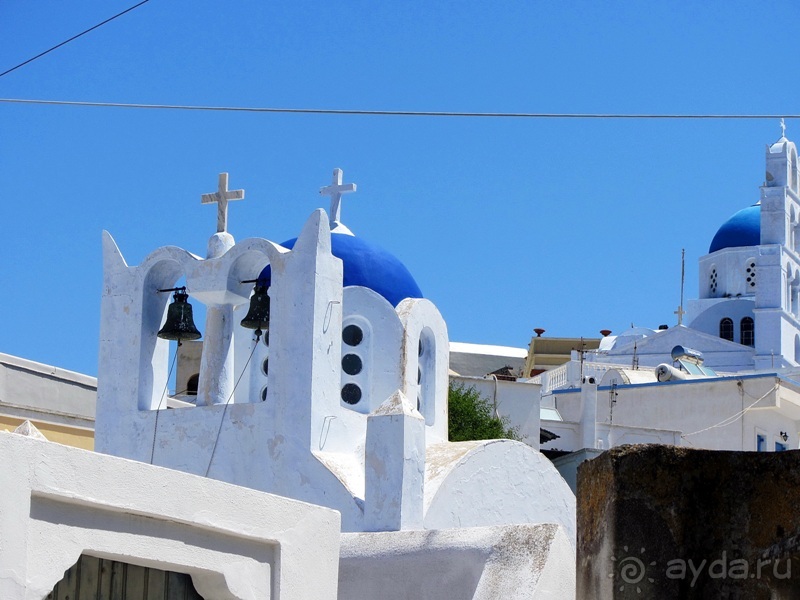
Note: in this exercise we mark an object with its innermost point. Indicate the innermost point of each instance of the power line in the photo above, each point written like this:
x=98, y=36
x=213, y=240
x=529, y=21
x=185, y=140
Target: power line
x=402, y=113
x=74, y=37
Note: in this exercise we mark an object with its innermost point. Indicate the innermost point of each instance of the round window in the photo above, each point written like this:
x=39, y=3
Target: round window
x=352, y=335
x=263, y=393
x=351, y=364
x=265, y=366
x=351, y=393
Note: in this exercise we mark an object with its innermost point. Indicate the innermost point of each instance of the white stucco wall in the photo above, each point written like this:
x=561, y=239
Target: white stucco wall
x=730, y=266
x=717, y=414
x=473, y=484
x=486, y=563
x=31, y=390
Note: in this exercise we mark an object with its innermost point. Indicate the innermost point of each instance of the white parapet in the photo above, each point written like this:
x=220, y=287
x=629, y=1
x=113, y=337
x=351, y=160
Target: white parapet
x=60, y=502
x=482, y=563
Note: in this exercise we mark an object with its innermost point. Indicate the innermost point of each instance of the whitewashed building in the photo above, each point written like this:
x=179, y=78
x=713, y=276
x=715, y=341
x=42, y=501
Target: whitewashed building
x=340, y=402
x=747, y=317
x=743, y=392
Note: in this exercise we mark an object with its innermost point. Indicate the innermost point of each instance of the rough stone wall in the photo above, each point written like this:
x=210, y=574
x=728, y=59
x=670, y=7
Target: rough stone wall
x=669, y=522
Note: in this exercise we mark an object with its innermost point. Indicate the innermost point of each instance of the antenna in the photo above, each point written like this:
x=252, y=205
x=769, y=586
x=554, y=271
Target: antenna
x=680, y=312
x=635, y=364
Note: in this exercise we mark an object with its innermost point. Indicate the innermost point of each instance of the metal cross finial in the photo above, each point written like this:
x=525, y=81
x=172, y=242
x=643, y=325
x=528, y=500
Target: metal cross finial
x=783, y=128
x=680, y=312
x=221, y=197
x=335, y=191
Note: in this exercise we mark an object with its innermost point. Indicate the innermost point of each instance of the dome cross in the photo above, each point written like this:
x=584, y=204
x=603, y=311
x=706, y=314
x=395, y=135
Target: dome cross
x=221, y=197
x=335, y=191
x=783, y=128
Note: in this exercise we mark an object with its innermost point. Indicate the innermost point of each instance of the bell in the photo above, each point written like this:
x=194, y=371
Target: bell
x=180, y=324
x=258, y=315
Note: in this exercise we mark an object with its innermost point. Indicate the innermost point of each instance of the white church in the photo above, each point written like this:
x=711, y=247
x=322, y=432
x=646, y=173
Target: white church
x=313, y=460
x=729, y=379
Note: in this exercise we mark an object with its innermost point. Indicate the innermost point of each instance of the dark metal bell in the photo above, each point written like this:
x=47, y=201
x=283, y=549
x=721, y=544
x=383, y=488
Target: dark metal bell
x=179, y=324
x=258, y=315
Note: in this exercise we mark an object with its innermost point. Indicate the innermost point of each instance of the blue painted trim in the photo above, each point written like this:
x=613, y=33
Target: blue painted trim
x=679, y=382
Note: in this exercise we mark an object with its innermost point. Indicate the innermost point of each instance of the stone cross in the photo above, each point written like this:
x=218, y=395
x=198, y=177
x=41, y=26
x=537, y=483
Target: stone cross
x=783, y=128
x=221, y=197
x=680, y=312
x=335, y=191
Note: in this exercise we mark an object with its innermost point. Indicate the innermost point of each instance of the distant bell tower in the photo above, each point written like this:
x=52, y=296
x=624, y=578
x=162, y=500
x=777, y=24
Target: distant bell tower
x=749, y=282
x=780, y=204
x=777, y=310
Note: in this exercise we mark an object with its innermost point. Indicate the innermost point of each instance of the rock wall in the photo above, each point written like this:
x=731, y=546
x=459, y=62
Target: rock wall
x=670, y=522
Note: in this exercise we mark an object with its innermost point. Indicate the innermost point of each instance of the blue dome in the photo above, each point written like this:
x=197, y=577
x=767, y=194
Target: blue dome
x=742, y=229
x=369, y=266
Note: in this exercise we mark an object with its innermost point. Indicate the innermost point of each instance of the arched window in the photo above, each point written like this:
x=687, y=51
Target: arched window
x=797, y=349
x=726, y=329
x=191, y=385
x=796, y=236
x=794, y=292
x=747, y=331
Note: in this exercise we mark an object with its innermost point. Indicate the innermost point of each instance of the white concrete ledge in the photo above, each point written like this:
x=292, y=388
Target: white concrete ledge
x=61, y=502
x=482, y=563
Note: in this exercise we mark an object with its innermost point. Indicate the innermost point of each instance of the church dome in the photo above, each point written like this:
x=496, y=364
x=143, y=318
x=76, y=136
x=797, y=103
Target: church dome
x=367, y=265
x=742, y=229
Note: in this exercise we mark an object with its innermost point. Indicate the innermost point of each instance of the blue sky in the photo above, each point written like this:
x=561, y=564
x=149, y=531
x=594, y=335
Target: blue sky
x=507, y=224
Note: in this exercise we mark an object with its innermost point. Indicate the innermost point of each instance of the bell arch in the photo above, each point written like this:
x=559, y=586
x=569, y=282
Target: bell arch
x=425, y=362
x=249, y=258
x=161, y=271
x=794, y=291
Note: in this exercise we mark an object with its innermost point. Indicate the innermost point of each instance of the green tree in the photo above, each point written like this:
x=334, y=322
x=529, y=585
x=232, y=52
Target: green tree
x=471, y=417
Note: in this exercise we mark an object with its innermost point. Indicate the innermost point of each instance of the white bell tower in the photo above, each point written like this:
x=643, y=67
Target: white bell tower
x=777, y=310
